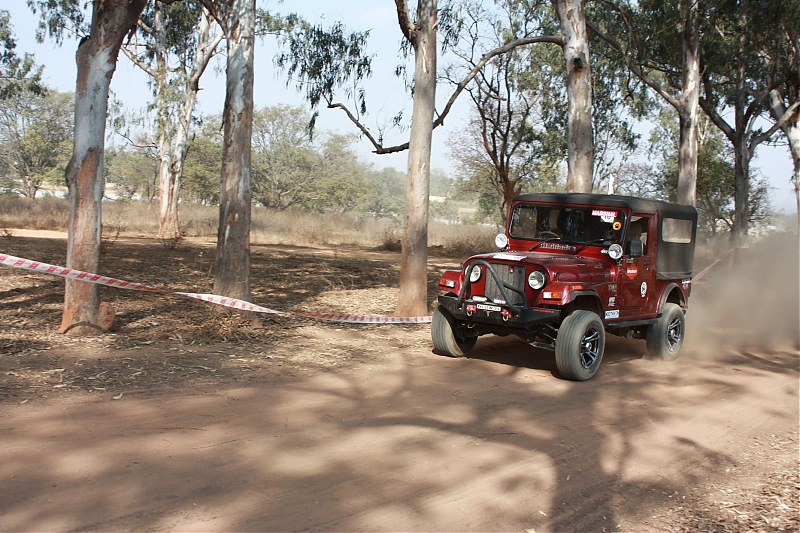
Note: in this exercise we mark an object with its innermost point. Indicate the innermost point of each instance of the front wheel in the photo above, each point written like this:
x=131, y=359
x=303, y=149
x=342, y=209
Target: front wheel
x=445, y=340
x=580, y=344
x=665, y=337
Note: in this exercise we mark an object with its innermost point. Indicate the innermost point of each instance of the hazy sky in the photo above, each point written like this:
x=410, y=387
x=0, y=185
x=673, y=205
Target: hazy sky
x=386, y=94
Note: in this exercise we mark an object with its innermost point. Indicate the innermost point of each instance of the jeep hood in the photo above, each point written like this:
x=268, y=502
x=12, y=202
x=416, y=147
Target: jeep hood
x=560, y=267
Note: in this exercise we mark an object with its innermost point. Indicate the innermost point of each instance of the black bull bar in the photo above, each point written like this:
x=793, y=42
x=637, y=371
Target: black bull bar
x=516, y=316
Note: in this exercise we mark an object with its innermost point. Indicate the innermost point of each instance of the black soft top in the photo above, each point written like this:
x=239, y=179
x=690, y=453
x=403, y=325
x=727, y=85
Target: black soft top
x=641, y=205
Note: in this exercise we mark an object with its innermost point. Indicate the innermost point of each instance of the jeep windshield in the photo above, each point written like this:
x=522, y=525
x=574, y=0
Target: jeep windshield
x=577, y=225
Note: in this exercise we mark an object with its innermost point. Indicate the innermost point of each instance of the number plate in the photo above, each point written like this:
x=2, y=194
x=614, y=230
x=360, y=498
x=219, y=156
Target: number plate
x=485, y=307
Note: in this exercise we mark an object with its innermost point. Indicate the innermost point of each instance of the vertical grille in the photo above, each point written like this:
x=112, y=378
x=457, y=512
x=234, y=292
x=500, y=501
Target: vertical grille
x=513, y=275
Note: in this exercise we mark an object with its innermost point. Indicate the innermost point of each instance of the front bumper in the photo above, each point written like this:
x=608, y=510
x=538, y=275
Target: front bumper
x=505, y=317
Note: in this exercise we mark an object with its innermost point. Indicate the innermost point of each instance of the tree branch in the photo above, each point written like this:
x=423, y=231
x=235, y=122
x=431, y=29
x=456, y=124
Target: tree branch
x=779, y=124
x=380, y=149
x=408, y=29
x=650, y=81
x=485, y=59
x=138, y=62
x=717, y=119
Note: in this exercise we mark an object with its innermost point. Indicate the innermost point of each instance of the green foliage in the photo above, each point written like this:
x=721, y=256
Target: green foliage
x=16, y=74
x=131, y=173
x=61, y=17
x=181, y=19
x=283, y=156
x=203, y=165
x=35, y=140
x=715, y=176
x=291, y=170
x=384, y=195
x=340, y=182
x=321, y=60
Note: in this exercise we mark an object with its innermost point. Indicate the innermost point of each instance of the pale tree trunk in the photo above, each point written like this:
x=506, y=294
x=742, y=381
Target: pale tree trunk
x=167, y=220
x=96, y=60
x=232, y=261
x=580, y=143
x=174, y=156
x=413, y=297
x=689, y=108
x=790, y=128
x=741, y=192
x=167, y=224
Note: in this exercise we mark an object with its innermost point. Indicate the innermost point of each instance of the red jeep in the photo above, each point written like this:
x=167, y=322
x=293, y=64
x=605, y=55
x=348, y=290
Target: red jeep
x=570, y=268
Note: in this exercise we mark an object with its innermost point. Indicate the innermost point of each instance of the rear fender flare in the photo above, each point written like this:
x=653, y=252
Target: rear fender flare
x=667, y=296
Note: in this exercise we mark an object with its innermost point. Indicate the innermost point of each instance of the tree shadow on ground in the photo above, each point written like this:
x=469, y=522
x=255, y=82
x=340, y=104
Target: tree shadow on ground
x=408, y=442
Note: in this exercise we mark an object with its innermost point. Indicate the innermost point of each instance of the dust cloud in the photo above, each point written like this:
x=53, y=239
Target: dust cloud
x=752, y=302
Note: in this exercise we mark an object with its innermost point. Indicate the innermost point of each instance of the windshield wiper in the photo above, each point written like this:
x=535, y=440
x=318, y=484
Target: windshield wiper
x=587, y=243
x=549, y=239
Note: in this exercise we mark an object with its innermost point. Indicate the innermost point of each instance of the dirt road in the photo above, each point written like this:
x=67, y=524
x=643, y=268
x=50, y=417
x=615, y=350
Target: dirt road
x=383, y=435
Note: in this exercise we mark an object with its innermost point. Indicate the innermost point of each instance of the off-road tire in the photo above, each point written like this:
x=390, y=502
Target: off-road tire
x=445, y=342
x=580, y=345
x=665, y=337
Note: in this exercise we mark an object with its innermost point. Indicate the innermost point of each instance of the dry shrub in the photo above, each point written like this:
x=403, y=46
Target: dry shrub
x=390, y=240
x=47, y=213
x=288, y=227
x=462, y=240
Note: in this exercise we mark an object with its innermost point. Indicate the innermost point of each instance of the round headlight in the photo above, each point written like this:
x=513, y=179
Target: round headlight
x=615, y=251
x=501, y=241
x=475, y=275
x=536, y=279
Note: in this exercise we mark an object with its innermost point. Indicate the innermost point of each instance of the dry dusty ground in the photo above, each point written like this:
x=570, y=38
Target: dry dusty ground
x=185, y=418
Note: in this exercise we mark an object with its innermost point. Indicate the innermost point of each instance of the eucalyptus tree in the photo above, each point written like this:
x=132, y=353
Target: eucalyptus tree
x=738, y=77
x=715, y=175
x=173, y=45
x=237, y=18
x=580, y=148
x=660, y=43
x=35, y=129
x=782, y=45
x=96, y=59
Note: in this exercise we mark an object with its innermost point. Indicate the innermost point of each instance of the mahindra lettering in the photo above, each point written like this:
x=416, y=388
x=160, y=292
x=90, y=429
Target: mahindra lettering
x=571, y=268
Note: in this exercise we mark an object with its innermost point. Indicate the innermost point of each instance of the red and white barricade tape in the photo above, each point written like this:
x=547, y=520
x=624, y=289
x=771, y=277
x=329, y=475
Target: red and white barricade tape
x=234, y=303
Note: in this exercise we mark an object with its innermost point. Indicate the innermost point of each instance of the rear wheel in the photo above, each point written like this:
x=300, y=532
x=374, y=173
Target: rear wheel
x=665, y=337
x=445, y=339
x=580, y=344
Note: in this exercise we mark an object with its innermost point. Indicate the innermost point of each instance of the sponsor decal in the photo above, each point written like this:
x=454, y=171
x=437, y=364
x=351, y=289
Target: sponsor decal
x=643, y=288
x=617, y=225
x=556, y=246
x=509, y=257
x=631, y=271
x=686, y=282
x=612, y=314
x=487, y=307
x=605, y=216
x=612, y=301
x=612, y=287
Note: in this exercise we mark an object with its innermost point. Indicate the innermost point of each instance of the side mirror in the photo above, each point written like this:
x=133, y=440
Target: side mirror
x=635, y=248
